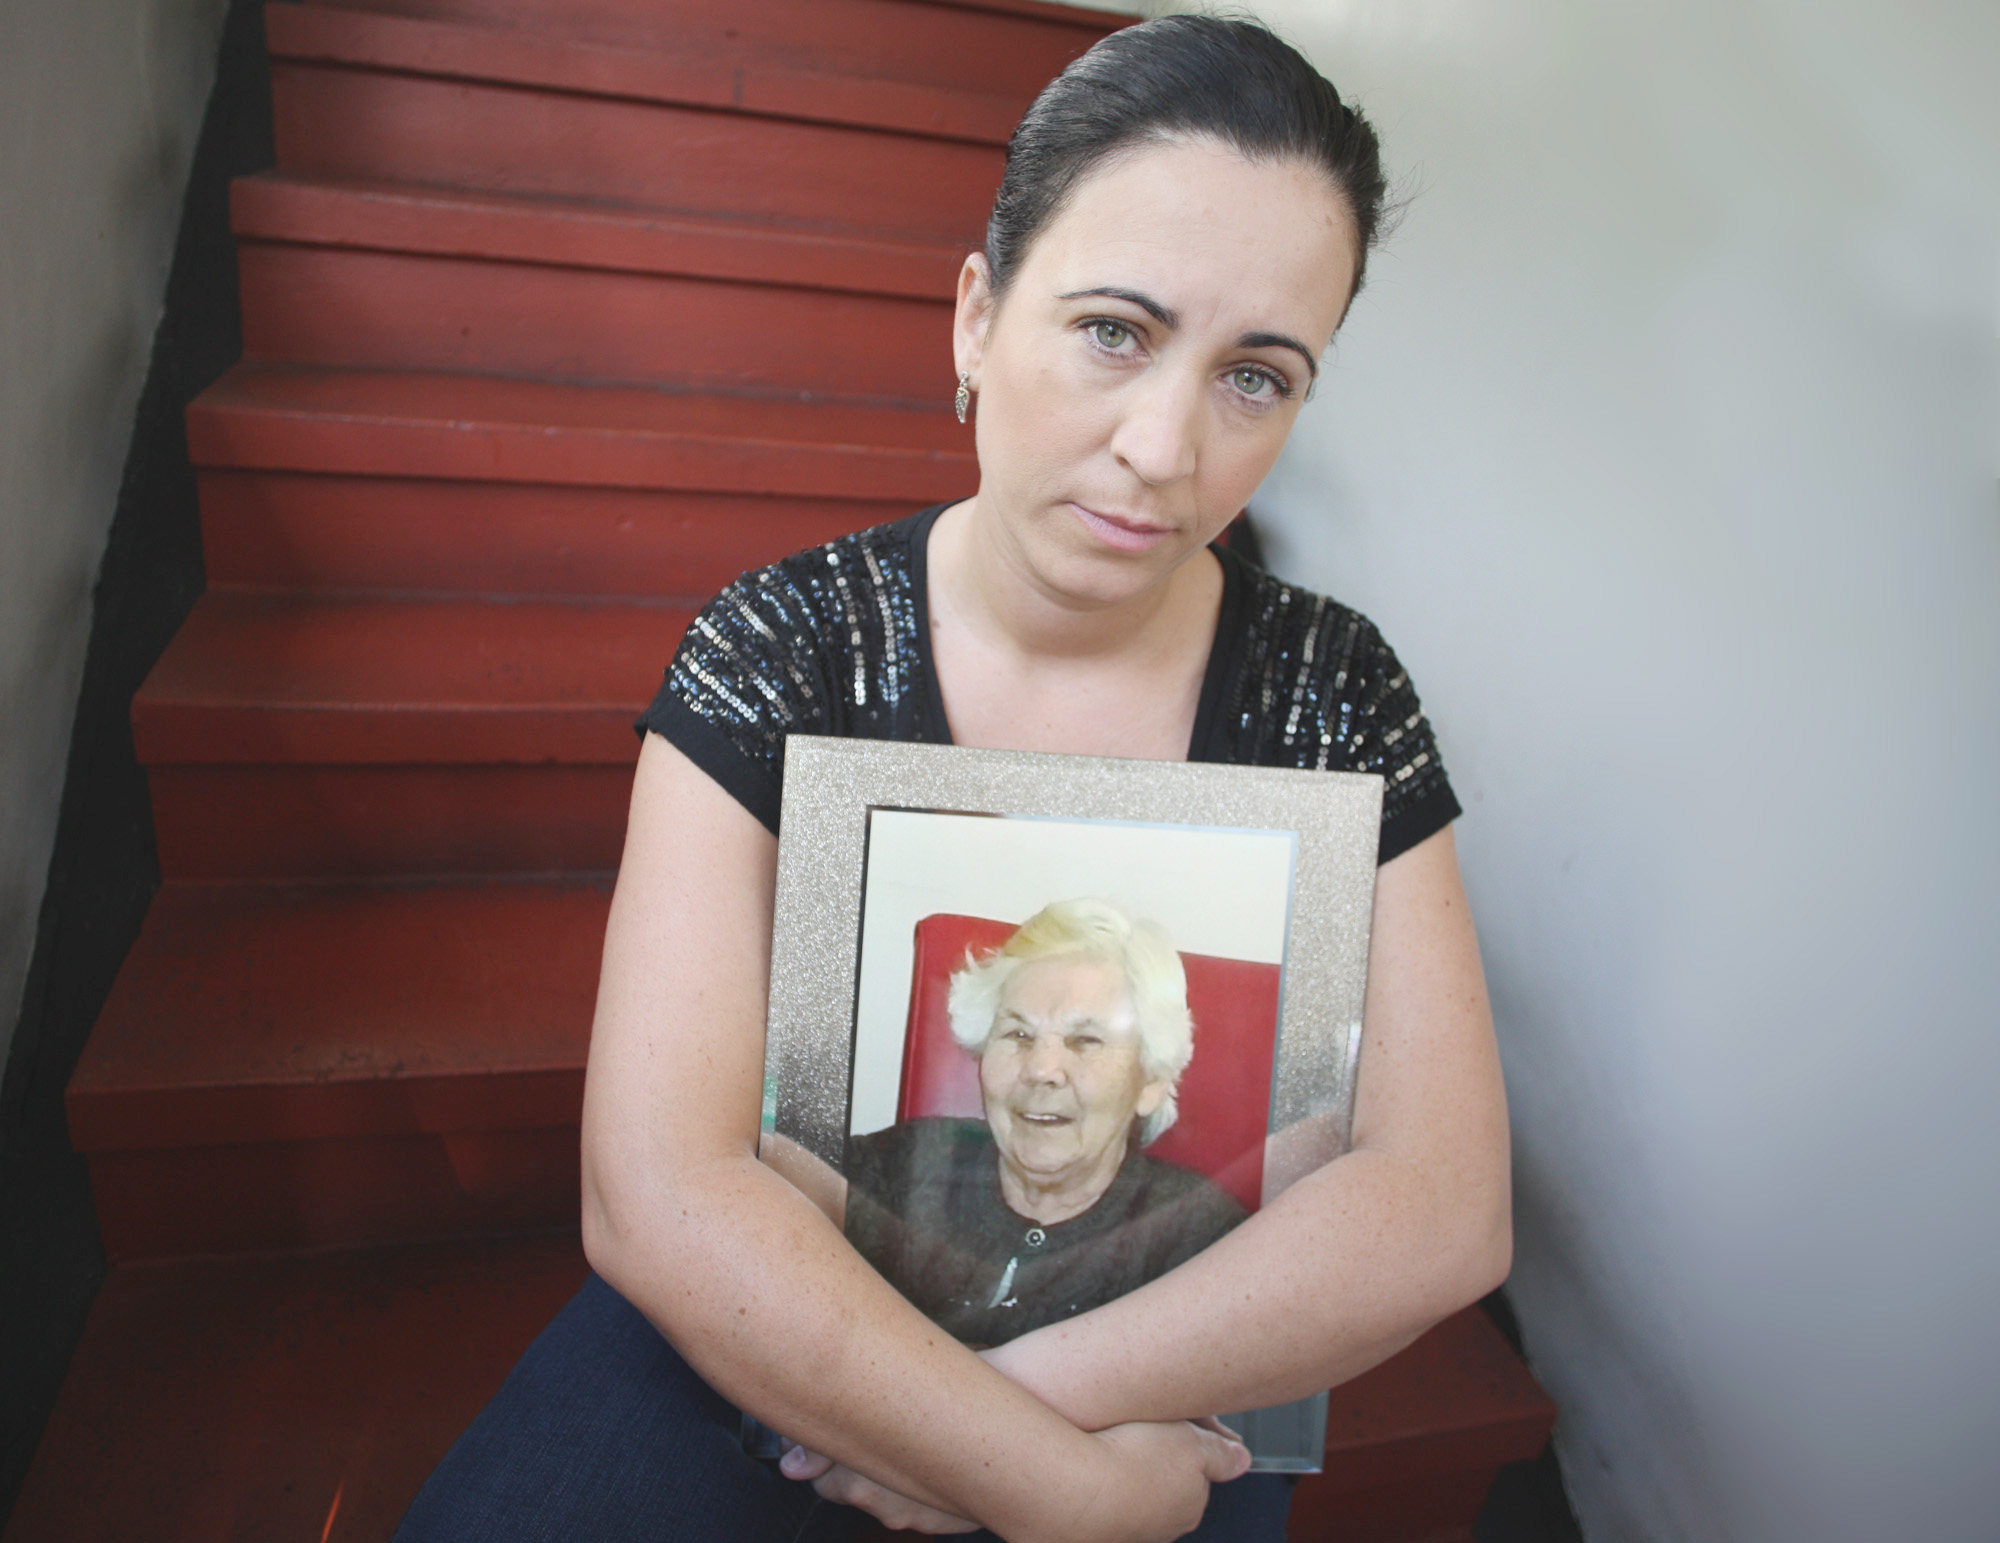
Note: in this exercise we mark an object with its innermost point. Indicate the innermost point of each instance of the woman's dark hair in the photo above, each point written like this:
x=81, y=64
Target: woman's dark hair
x=1197, y=77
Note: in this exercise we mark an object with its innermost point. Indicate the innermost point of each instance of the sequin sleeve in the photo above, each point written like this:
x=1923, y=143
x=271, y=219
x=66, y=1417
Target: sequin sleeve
x=1311, y=683
x=747, y=674
x=1392, y=736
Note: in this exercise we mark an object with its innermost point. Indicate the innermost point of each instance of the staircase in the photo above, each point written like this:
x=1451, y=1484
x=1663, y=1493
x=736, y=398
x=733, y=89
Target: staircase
x=556, y=318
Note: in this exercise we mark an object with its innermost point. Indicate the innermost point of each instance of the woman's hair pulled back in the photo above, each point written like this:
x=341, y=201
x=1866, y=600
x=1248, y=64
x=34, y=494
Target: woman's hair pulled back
x=1180, y=77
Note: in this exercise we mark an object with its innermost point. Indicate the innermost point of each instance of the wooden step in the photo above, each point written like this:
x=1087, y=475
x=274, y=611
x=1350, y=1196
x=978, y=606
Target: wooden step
x=383, y=276
x=340, y=1063
x=488, y=429
x=446, y=222
x=253, y=1013
x=1413, y=1447
x=310, y=1395
x=736, y=81
x=443, y=820
x=1012, y=47
x=315, y=679
x=281, y=529
x=303, y=1396
x=297, y=736
x=360, y=308
x=350, y=124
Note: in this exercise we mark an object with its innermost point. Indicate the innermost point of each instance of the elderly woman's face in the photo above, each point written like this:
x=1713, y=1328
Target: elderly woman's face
x=1143, y=370
x=1061, y=1072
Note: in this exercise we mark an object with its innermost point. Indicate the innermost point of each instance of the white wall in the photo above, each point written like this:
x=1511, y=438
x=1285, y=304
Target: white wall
x=1663, y=446
x=100, y=103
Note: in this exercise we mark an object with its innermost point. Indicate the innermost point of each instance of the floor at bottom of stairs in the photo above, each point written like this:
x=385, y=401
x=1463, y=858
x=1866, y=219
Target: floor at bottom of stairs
x=282, y=1396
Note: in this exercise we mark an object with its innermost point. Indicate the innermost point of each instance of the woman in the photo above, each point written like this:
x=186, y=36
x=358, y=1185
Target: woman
x=1182, y=222
x=1047, y=1207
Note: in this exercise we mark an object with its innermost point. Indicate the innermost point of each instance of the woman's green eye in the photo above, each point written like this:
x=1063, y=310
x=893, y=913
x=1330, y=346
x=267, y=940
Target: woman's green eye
x=1110, y=334
x=1253, y=382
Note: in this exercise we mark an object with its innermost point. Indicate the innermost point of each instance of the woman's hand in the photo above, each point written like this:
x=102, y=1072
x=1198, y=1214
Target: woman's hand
x=1169, y=1466
x=842, y=1485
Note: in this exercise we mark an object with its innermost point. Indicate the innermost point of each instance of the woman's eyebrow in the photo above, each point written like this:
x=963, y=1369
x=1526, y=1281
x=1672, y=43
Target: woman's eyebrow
x=1169, y=318
x=1279, y=340
x=1165, y=315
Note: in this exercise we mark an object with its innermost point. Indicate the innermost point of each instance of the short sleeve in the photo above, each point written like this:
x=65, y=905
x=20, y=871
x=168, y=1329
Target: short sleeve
x=1392, y=737
x=1310, y=683
x=742, y=680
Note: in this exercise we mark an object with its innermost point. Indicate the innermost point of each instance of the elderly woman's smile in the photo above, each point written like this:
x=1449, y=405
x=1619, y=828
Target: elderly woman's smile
x=1063, y=1080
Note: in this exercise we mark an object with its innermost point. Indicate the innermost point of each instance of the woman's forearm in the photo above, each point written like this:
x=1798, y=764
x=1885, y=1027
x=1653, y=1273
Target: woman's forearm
x=1356, y=1258
x=751, y=1281
x=774, y=1310
x=1338, y=1274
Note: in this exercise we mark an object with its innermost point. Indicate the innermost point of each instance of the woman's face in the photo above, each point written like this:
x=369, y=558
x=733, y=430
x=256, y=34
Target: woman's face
x=1061, y=1073
x=1142, y=372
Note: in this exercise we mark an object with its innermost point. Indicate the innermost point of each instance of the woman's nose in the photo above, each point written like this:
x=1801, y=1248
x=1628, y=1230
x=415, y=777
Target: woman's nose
x=1048, y=1061
x=1157, y=437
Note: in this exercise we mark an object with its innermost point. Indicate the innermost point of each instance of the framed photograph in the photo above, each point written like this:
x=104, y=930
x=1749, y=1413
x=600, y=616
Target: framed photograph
x=1044, y=1027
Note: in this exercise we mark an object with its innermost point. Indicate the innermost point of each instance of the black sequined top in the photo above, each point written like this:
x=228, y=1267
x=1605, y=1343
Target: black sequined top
x=835, y=640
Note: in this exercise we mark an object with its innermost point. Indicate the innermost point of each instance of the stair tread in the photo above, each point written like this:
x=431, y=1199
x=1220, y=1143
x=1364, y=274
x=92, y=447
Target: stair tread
x=1461, y=1376
x=239, y=1396
x=650, y=19
x=722, y=81
x=290, y=1396
x=254, y=1012
x=403, y=217
x=288, y=676
x=495, y=428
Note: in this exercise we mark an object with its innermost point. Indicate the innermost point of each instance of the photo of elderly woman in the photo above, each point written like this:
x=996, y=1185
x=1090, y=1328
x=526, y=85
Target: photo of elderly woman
x=1048, y=1204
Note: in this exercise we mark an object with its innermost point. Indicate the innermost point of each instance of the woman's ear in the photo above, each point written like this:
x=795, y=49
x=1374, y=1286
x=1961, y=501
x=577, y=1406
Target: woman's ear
x=973, y=316
x=1151, y=1096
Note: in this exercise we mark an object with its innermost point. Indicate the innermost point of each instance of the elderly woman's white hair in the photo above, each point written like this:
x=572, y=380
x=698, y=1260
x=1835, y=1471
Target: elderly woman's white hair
x=1091, y=929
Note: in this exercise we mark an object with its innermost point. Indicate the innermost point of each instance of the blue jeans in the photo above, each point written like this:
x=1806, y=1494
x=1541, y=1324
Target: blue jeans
x=603, y=1434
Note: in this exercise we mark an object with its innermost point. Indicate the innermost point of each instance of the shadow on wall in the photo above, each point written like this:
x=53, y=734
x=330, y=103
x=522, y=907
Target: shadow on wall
x=103, y=871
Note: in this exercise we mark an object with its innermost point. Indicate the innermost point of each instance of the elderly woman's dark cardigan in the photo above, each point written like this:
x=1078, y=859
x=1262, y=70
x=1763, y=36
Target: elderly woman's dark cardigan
x=924, y=1207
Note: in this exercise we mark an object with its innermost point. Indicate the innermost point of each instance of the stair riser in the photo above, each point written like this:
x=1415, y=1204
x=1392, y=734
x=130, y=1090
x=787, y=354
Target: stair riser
x=495, y=227
x=257, y=1013
x=289, y=530
x=363, y=124
x=148, y=1119
x=254, y=677
x=259, y=734
x=377, y=442
x=386, y=310
x=313, y=822
x=942, y=45
x=325, y=1194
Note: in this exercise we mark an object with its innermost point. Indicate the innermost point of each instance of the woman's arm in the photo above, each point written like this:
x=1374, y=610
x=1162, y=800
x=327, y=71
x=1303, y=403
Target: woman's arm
x=1356, y=1259
x=747, y=1277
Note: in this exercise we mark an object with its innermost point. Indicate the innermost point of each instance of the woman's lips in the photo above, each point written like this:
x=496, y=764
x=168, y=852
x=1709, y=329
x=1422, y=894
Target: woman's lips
x=1044, y=1119
x=1122, y=532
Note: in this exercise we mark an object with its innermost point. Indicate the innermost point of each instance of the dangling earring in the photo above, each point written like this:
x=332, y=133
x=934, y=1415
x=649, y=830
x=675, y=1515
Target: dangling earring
x=963, y=400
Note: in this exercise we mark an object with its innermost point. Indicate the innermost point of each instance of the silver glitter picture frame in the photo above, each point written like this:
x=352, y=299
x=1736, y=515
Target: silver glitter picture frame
x=831, y=788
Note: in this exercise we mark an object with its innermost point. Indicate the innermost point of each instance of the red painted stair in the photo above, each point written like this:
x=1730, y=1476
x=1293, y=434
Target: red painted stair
x=284, y=1065
x=380, y=1357
x=556, y=318
x=483, y=428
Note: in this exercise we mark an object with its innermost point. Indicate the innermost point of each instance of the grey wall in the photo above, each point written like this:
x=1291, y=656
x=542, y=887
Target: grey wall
x=1664, y=447
x=100, y=102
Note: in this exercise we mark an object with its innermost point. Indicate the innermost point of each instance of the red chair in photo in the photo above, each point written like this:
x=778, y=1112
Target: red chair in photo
x=1225, y=1094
